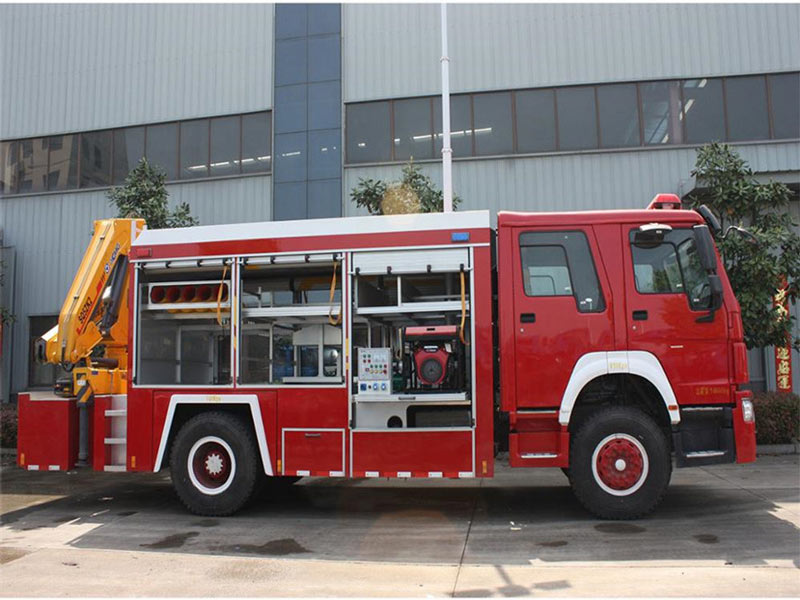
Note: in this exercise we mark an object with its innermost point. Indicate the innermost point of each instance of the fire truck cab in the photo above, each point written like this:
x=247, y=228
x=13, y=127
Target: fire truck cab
x=605, y=343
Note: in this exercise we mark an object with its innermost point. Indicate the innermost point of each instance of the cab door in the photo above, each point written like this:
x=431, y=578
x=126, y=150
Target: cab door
x=561, y=310
x=668, y=299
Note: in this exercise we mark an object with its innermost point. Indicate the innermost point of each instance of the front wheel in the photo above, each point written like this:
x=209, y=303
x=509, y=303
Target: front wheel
x=214, y=464
x=620, y=463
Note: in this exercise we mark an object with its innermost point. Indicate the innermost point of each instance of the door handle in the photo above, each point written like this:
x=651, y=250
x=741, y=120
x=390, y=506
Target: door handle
x=313, y=435
x=527, y=318
x=640, y=315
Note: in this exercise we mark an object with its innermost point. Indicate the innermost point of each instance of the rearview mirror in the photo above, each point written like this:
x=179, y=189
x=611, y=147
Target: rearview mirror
x=705, y=248
x=710, y=219
x=715, y=302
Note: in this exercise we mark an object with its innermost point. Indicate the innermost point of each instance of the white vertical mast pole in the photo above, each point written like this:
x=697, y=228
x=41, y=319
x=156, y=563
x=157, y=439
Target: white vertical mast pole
x=447, y=151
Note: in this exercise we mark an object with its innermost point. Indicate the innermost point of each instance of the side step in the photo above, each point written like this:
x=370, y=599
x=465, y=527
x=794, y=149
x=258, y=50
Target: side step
x=704, y=437
x=110, y=434
x=537, y=439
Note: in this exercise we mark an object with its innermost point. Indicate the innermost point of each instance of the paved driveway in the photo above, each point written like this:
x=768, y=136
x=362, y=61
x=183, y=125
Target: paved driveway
x=721, y=531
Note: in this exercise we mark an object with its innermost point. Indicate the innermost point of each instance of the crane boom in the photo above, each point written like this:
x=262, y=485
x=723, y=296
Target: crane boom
x=95, y=312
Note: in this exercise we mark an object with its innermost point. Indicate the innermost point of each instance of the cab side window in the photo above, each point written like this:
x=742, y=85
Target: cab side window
x=671, y=267
x=559, y=263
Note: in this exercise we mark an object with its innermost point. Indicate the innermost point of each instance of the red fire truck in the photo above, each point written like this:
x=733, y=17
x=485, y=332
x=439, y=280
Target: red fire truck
x=606, y=343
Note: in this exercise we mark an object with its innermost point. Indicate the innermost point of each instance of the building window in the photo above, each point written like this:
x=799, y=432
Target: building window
x=161, y=148
x=226, y=137
x=493, y=130
x=536, y=120
x=575, y=118
x=96, y=159
x=703, y=114
x=785, y=100
x=128, y=150
x=194, y=149
x=746, y=107
x=413, y=129
x=618, y=110
x=368, y=137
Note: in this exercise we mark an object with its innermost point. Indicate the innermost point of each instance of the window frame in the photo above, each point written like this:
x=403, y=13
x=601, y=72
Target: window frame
x=602, y=304
x=113, y=131
x=676, y=119
x=675, y=245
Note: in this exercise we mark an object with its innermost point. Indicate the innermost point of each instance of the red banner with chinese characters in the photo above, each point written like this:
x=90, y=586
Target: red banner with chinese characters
x=783, y=354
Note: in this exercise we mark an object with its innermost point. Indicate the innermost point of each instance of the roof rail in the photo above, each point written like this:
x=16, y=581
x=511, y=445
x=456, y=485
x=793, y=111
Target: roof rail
x=665, y=202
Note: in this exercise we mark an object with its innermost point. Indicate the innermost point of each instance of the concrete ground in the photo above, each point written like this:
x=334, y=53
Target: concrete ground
x=721, y=531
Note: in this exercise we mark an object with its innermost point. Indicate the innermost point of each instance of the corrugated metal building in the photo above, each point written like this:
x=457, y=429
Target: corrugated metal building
x=555, y=107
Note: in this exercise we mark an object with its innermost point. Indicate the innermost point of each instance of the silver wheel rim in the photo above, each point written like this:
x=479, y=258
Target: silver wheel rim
x=190, y=465
x=645, y=465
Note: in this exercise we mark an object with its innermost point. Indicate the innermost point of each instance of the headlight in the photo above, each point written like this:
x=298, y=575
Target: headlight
x=748, y=414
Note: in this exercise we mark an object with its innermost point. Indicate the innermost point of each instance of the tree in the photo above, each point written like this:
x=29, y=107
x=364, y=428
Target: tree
x=6, y=317
x=414, y=193
x=725, y=183
x=144, y=196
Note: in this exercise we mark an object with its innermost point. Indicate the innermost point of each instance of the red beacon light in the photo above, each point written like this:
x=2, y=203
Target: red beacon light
x=665, y=202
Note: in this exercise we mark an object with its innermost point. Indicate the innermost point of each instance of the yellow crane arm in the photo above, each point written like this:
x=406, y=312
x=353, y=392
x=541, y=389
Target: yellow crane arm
x=96, y=308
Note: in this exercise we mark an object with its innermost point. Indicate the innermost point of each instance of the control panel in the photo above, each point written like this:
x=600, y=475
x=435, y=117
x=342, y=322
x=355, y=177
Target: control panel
x=374, y=370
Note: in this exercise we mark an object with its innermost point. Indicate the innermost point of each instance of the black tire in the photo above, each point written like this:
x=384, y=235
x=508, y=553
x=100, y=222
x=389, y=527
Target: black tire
x=622, y=489
x=222, y=482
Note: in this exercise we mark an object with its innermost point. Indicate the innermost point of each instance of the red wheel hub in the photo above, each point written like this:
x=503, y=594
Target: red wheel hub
x=620, y=464
x=211, y=464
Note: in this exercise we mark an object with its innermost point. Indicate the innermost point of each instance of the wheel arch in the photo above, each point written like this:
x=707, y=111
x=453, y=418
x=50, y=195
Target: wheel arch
x=183, y=407
x=637, y=374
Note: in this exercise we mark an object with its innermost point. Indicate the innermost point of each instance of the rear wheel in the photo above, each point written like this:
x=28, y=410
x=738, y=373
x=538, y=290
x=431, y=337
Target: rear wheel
x=620, y=463
x=214, y=464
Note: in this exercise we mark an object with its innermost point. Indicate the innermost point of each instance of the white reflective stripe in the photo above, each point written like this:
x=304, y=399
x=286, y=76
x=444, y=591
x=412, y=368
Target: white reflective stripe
x=33, y=467
x=372, y=474
x=336, y=473
x=404, y=473
x=596, y=364
x=53, y=468
x=303, y=473
x=466, y=474
x=434, y=474
x=316, y=227
x=217, y=400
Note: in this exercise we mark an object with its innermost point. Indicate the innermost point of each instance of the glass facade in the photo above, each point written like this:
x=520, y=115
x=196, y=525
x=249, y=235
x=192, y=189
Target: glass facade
x=307, y=177
x=577, y=118
x=194, y=149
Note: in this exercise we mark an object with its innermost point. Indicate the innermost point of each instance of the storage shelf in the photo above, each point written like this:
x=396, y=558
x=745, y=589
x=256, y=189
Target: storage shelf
x=446, y=398
x=317, y=310
x=411, y=307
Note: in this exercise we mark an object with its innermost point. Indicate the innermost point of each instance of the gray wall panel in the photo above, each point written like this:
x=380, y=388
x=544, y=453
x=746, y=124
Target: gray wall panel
x=393, y=50
x=96, y=66
x=50, y=233
x=577, y=181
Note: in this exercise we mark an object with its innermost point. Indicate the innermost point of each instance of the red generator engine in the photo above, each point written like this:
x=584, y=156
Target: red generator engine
x=437, y=358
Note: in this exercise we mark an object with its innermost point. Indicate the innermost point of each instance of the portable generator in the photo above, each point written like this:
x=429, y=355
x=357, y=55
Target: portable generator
x=436, y=358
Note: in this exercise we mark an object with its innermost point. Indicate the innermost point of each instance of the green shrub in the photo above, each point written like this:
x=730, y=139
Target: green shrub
x=8, y=425
x=777, y=417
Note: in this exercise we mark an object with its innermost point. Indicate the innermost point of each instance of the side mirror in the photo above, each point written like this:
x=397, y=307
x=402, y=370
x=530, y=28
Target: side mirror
x=710, y=219
x=705, y=248
x=715, y=301
x=742, y=232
